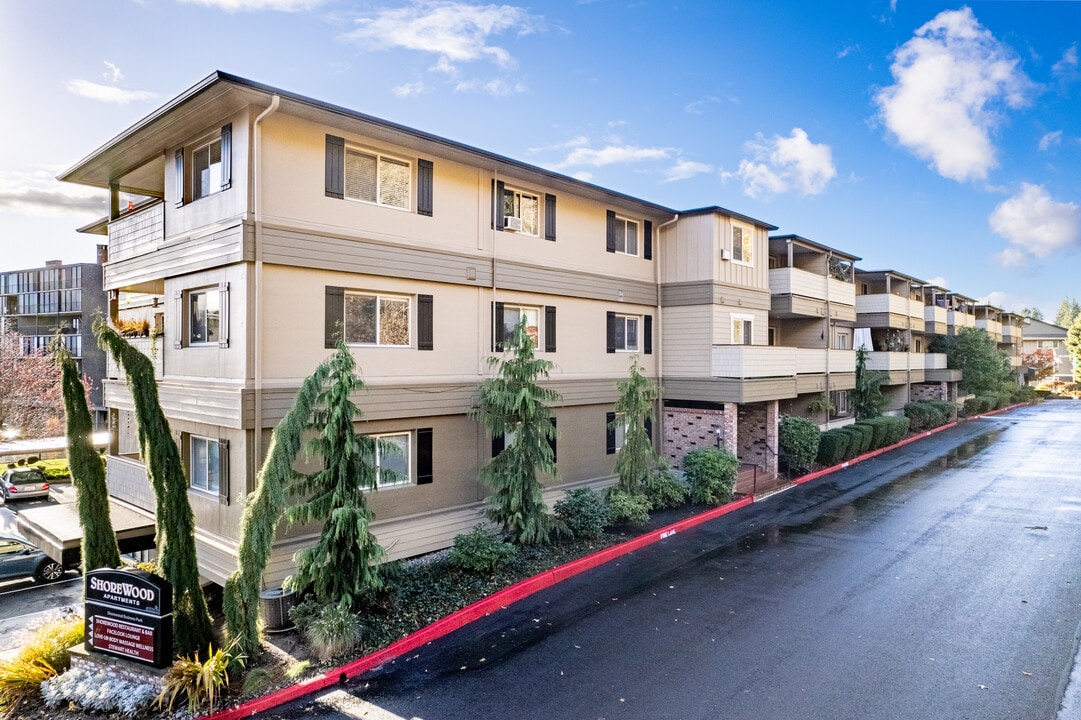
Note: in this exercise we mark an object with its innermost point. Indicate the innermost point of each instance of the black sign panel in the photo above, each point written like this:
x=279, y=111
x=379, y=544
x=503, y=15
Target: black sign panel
x=129, y=614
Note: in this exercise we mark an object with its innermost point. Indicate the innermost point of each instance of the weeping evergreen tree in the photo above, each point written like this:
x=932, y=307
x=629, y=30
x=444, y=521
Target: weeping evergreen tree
x=175, y=530
x=99, y=548
x=867, y=397
x=345, y=559
x=637, y=459
x=262, y=511
x=514, y=406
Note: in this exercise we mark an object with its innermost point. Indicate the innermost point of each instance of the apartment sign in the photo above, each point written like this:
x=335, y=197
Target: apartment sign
x=129, y=614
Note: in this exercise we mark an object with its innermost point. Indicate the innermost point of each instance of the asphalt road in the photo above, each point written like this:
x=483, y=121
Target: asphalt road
x=940, y=580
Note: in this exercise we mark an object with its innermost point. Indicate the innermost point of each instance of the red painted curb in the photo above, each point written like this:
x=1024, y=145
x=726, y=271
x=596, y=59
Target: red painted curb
x=483, y=607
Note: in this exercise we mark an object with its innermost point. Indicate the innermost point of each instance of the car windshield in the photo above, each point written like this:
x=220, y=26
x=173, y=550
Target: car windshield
x=27, y=476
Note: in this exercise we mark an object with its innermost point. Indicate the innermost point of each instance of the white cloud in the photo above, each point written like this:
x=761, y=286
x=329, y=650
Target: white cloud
x=781, y=164
x=39, y=193
x=1067, y=64
x=1036, y=225
x=107, y=93
x=847, y=50
x=1051, y=138
x=455, y=32
x=949, y=79
x=114, y=75
x=613, y=154
x=939, y=282
x=256, y=5
x=409, y=89
x=685, y=169
x=495, y=87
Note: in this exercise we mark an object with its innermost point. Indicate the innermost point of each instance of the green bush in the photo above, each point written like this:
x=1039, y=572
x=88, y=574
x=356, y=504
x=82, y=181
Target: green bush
x=798, y=439
x=1024, y=393
x=898, y=427
x=625, y=507
x=880, y=428
x=663, y=489
x=480, y=551
x=333, y=631
x=928, y=414
x=584, y=512
x=711, y=474
x=832, y=447
x=860, y=441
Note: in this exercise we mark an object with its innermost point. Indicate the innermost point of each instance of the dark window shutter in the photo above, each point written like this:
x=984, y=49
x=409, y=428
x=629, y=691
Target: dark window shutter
x=227, y=157
x=647, y=246
x=223, y=471
x=549, y=217
x=179, y=163
x=425, y=179
x=499, y=331
x=335, y=176
x=549, y=328
x=498, y=443
x=424, y=456
x=611, y=229
x=649, y=429
x=609, y=434
x=497, y=205
x=334, y=321
x=611, y=332
x=647, y=334
x=425, y=322
x=552, y=439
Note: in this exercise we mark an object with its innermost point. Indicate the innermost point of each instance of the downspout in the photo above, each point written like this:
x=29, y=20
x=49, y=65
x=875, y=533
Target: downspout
x=828, y=331
x=257, y=199
x=657, y=328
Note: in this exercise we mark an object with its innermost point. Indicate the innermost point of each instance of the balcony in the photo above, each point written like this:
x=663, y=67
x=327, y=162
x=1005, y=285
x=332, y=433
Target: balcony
x=763, y=361
x=138, y=232
x=935, y=319
x=957, y=319
x=793, y=281
x=153, y=348
x=903, y=361
x=883, y=303
x=993, y=328
x=127, y=481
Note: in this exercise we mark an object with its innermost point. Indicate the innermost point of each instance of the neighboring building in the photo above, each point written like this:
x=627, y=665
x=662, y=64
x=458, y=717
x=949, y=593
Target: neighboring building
x=59, y=300
x=1038, y=335
x=1013, y=328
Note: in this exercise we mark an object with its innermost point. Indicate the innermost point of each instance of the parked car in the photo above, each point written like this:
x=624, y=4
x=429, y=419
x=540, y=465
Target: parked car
x=19, y=559
x=24, y=482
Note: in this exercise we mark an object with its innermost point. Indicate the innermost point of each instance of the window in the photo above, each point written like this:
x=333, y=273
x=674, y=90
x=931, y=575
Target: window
x=626, y=236
x=376, y=179
x=513, y=314
x=840, y=402
x=616, y=432
x=205, y=471
x=211, y=166
x=842, y=341
x=742, y=330
x=507, y=316
x=205, y=317
x=522, y=205
x=772, y=336
x=206, y=169
x=625, y=335
x=392, y=460
x=742, y=243
x=381, y=320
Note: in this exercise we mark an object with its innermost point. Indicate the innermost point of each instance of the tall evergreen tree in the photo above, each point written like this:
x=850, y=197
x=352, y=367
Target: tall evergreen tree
x=1073, y=344
x=1067, y=312
x=514, y=406
x=175, y=538
x=637, y=457
x=984, y=368
x=99, y=548
x=345, y=559
x=867, y=397
x=262, y=511
x=1032, y=312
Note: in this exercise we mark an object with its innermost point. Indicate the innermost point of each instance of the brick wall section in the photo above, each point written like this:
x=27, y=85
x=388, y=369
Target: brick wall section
x=758, y=421
x=687, y=429
x=929, y=391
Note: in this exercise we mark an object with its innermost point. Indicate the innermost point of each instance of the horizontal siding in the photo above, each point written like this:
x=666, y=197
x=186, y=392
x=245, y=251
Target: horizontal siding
x=220, y=246
x=694, y=293
x=739, y=297
x=842, y=381
x=513, y=276
x=686, y=340
x=702, y=389
x=193, y=402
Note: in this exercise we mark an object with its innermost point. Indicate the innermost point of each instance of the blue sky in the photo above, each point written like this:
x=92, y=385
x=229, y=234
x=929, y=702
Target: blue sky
x=940, y=140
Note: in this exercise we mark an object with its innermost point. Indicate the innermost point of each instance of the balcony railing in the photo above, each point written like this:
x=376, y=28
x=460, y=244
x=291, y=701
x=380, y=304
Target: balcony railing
x=137, y=232
x=127, y=481
x=900, y=361
x=153, y=348
x=889, y=303
x=935, y=314
x=958, y=319
x=761, y=361
x=793, y=281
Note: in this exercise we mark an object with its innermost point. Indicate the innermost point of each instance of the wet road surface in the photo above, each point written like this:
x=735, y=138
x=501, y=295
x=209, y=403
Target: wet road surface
x=940, y=580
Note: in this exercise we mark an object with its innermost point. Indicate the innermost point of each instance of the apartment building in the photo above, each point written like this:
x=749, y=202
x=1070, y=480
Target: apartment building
x=59, y=301
x=1040, y=335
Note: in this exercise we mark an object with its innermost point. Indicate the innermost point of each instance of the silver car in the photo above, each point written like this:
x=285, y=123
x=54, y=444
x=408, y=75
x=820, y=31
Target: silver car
x=19, y=559
x=24, y=482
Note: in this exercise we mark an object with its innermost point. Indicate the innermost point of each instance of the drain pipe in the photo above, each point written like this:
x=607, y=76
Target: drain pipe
x=257, y=200
x=657, y=328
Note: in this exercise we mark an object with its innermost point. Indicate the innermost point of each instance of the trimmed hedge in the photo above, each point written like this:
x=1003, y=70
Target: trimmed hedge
x=898, y=428
x=712, y=475
x=879, y=427
x=832, y=446
x=798, y=439
x=928, y=414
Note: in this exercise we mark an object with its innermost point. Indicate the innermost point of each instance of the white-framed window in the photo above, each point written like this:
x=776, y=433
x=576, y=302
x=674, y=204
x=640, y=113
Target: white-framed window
x=392, y=460
x=205, y=469
x=772, y=336
x=204, y=316
x=375, y=178
x=512, y=314
x=840, y=402
x=522, y=205
x=206, y=176
x=742, y=329
x=742, y=243
x=842, y=341
x=375, y=319
x=625, y=333
x=619, y=432
x=627, y=232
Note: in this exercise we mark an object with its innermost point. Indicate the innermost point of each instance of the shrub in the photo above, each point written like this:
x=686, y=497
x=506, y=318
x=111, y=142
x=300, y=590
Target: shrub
x=200, y=680
x=664, y=489
x=711, y=474
x=333, y=631
x=928, y=414
x=584, y=512
x=972, y=406
x=880, y=427
x=798, y=439
x=480, y=551
x=96, y=690
x=625, y=507
x=832, y=447
x=45, y=655
x=898, y=427
x=860, y=441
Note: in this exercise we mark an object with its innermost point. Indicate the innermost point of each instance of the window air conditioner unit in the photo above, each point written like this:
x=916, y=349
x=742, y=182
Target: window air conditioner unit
x=513, y=223
x=726, y=254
